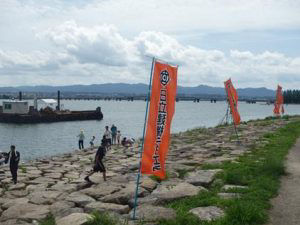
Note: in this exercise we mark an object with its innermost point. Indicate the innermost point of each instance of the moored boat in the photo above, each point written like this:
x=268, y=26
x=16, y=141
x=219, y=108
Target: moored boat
x=19, y=111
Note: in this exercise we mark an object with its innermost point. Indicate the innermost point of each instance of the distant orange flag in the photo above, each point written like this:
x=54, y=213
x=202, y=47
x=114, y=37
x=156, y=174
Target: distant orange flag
x=233, y=101
x=279, y=102
x=162, y=107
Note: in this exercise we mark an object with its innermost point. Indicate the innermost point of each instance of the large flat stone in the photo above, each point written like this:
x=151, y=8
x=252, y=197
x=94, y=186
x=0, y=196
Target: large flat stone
x=44, y=197
x=74, y=219
x=62, y=209
x=68, y=188
x=15, y=222
x=208, y=213
x=33, y=172
x=166, y=193
x=19, y=186
x=36, y=187
x=25, y=211
x=124, y=195
x=42, y=180
x=79, y=199
x=53, y=175
x=229, y=187
x=101, y=190
x=201, y=177
x=229, y=195
x=148, y=184
x=150, y=213
x=106, y=207
x=16, y=194
x=11, y=202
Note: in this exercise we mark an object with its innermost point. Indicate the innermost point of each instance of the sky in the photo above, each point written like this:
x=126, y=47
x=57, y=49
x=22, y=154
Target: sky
x=63, y=42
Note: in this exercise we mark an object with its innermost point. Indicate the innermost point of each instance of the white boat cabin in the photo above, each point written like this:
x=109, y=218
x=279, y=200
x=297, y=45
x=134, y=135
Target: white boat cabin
x=15, y=107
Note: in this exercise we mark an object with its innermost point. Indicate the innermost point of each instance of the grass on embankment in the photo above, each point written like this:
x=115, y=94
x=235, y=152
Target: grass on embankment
x=260, y=170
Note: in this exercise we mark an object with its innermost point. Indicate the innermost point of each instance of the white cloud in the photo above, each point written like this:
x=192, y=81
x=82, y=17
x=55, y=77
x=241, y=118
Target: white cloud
x=99, y=54
x=108, y=41
x=168, y=16
x=177, y=15
x=99, y=44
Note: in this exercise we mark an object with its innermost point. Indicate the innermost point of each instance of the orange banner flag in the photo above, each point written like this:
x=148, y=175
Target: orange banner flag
x=276, y=109
x=162, y=107
x=279, y=101
x=233, y=101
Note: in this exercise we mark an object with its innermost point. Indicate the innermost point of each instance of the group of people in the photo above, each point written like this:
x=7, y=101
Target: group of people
x=111, y=136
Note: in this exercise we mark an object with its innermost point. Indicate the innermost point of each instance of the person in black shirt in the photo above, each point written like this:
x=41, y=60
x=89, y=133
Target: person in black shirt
x=98, y=166
x=14, y=158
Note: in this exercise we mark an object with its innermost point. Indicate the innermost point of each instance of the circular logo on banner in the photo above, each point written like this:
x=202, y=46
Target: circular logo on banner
x=164, y=77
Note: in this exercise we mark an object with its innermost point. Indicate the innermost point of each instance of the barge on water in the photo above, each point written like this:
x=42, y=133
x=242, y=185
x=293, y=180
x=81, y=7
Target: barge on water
x=19, y=112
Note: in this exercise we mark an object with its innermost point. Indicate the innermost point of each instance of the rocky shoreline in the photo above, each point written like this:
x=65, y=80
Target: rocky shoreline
x=55, y=185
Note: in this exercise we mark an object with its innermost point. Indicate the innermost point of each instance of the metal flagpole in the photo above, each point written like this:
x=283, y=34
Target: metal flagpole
x=237, y=136
x=235, y=129
x=142, y=147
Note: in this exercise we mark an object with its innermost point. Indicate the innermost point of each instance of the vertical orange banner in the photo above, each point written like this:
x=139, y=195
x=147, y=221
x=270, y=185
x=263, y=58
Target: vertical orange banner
x=162, y=107
x=279, y=101
x=233, y=101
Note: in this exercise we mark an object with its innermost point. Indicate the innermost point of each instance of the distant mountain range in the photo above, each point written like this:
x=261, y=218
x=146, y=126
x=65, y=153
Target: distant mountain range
x=137, y=89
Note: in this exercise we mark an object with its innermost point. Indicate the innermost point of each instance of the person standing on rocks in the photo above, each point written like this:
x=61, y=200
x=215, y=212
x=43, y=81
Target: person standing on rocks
x=107, y=135
x=113, y=130
x=13, y=158
x=119, y=137
x=98, y=166
x=80, y=139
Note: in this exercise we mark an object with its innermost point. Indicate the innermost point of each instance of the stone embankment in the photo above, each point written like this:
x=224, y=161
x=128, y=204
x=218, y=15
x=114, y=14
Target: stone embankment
x=56, y=185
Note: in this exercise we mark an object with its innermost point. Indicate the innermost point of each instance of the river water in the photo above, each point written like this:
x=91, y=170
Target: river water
x=38, y=140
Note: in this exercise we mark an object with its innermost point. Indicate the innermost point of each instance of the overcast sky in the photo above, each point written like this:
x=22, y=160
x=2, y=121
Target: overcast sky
x=63, y=42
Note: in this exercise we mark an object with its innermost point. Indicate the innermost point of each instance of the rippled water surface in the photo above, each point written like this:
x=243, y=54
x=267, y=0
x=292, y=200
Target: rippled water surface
x=49, y=139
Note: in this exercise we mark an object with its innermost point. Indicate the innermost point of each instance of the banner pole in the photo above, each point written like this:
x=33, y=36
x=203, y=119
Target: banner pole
x=235, y=129
x=142, y=147
x=237, y=136
x=228, y=106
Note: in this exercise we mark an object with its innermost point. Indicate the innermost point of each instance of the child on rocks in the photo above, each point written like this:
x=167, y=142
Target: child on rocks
x=92, y=142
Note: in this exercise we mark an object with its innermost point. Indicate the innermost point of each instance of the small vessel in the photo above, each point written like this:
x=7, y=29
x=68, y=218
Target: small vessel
x=19, y=111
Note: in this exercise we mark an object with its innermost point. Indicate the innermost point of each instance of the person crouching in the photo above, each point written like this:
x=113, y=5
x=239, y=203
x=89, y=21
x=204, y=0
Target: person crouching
x=98, y=164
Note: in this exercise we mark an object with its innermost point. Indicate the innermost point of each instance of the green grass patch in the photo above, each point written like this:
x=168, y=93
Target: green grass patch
x=259, y=170
x=158, y=179
x=23, y=168
x=182, y=173
x=286, y=117
x=49, y=220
